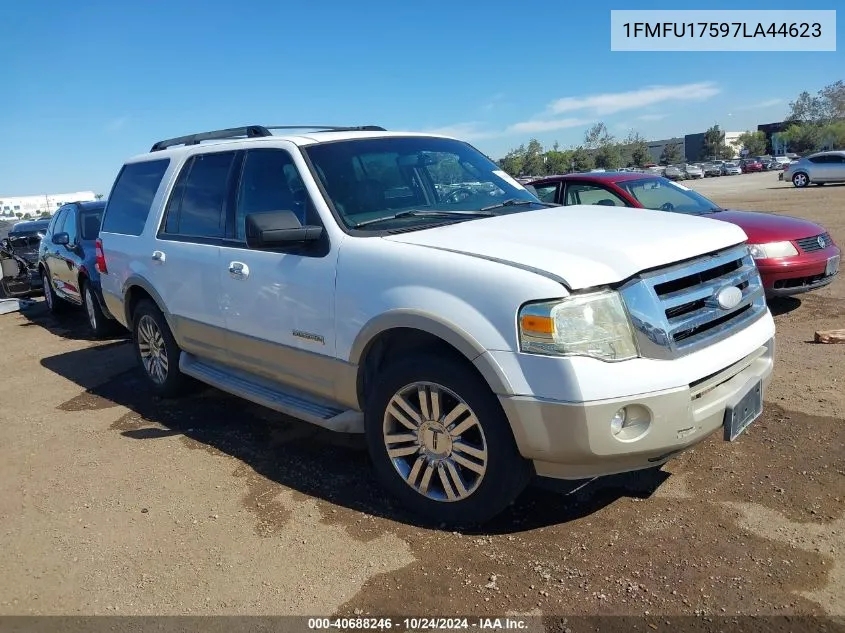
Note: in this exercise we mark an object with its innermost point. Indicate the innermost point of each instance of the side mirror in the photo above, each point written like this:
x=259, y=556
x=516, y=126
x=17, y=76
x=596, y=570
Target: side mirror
x=276, y=229
x=61, y=239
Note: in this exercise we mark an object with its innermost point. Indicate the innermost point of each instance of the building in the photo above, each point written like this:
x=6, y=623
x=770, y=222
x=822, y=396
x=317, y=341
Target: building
x=655, y=148
x=35, y=206
x=695, y=150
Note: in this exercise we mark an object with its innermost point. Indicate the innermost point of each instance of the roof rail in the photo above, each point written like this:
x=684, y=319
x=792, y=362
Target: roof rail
x=249, y=131
x=255, y=131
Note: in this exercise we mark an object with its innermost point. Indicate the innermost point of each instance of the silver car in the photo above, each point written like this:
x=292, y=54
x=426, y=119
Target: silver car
x=693, y=171
x=817, y=168
x=731, y=169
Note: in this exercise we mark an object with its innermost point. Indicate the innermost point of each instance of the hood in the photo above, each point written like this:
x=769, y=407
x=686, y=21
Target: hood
x=581, y=245
x=769, y=227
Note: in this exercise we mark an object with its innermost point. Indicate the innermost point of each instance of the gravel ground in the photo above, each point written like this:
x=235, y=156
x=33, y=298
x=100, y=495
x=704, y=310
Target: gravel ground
x=114, y=503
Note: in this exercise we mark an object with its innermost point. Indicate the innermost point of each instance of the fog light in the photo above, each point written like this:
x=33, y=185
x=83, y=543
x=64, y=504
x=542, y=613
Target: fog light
x=617, y=422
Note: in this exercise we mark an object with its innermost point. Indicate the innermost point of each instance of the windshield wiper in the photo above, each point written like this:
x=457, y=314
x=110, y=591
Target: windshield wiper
x=482, y=213
x=510, y=202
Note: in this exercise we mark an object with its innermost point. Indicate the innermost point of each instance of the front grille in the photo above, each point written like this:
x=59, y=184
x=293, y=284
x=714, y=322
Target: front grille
x=675, y=310
x=810, y=244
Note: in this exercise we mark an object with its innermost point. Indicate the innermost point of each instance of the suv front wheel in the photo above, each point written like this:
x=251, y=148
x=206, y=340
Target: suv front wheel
x=157, y=351
x=440, y=442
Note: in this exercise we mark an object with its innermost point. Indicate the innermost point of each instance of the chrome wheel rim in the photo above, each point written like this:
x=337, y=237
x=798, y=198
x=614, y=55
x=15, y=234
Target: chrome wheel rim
x=48, y=291
x=89, y=308
x=800, y=180
x=151, y=348
x=435, y=442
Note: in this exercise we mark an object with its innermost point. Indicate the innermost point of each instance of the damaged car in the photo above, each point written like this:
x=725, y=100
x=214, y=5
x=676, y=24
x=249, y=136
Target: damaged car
x=19, y=259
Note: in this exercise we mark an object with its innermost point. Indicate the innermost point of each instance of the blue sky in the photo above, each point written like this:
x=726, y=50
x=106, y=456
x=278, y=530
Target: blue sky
x=87, y=84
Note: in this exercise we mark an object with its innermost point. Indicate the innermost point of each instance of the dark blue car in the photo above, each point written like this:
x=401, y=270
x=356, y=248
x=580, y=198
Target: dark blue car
x=66, y=262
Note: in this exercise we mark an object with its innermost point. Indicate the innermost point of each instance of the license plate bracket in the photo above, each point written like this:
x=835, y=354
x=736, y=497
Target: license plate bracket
x=743, y=409
x=832, y=266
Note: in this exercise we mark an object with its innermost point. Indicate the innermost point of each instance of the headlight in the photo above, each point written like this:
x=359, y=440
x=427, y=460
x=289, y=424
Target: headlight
x=772, y=250
x=594, y=325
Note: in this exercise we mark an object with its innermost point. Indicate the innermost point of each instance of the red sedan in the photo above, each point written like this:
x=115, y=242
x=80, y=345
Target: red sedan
x=751, y=164
x=793, y=255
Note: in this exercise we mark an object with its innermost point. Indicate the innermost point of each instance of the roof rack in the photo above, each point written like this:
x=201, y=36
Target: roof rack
x=255, y=131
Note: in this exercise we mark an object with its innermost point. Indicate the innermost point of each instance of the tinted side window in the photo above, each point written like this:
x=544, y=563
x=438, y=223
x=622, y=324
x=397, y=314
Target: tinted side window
x=546, y=193
x=592, y=194
x=131, y=197
x=58, y=221
x=819, y=159
x=269, y=182
x=70, y=226
x=203, y=196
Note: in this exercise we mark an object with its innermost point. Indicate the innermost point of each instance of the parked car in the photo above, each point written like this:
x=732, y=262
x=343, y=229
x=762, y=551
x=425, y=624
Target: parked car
x=731, y=169
x=19, y=257
x=693, y=171
x=818, y=169
x=793, y=255
x=749, y=165
x=476, y=337
x=712, y=169
x=674, y=172
x=66, y=264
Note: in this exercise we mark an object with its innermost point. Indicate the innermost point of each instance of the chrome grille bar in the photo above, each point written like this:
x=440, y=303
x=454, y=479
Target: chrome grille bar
x=674, y=309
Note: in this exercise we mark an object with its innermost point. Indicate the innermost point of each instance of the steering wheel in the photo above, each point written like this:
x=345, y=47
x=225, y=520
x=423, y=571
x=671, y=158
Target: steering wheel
x=458, y=195
x=667, y=206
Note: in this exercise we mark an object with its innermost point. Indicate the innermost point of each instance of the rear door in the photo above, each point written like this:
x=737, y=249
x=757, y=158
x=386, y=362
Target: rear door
x=186, y=259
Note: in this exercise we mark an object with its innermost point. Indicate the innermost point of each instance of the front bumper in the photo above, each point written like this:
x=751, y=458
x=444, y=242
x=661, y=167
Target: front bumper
x=574, y=440
x=799, y=274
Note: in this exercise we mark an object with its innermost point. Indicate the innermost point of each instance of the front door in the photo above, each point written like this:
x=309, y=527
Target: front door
x=279, y=304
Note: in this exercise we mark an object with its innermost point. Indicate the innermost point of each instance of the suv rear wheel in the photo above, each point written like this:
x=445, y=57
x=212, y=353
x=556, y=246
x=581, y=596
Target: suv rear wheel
x=441, y=443
x=157, y=351
x=99, y=323
x=54, y=304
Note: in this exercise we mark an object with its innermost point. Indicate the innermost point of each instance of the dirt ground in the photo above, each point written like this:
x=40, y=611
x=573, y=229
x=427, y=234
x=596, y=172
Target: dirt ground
x=114, y=503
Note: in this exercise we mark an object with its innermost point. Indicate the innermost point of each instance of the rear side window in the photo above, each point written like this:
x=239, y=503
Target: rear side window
x=132, y=196
x=196, y=206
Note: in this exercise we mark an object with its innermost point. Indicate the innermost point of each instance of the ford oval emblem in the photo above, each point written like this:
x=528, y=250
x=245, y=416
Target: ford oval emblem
x=729, y=297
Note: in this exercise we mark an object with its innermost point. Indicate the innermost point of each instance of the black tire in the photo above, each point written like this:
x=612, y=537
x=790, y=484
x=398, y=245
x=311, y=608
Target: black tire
x=99, y=324
x=147, y=315
x=54, y=304
x=800, y=180
x=506, y=473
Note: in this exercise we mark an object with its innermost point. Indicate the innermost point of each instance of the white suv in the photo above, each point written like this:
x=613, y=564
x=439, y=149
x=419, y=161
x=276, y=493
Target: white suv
x=401, y=285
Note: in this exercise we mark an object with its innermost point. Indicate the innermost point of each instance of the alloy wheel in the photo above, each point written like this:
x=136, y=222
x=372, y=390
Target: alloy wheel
x=152, y=349
x=435, y=441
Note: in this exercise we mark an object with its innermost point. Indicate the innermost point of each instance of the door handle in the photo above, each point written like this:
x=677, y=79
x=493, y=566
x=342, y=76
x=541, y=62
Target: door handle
x=159, y=256
x=238, y=270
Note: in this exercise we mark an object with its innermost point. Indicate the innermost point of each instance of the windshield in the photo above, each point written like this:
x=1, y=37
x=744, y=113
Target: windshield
x=422, y=179
x=664, y=195
x=25, y=240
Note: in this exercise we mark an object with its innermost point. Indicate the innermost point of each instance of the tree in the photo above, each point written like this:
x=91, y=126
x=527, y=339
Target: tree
x=801, y=138
x=753, y=142
x=608, y=157
x=45, y=214
x=598, y=136
x=715, y=145
x=671, y=154
x=833, y=135
x=636, y=150
x=98, y=196
x=18, y=214
x=581, y=159
x=514, y=161
x=826, y=106
x=557, y=162
x=534, y=164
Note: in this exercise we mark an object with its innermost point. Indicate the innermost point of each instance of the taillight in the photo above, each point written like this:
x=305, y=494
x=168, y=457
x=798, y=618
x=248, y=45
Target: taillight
x=101, y=258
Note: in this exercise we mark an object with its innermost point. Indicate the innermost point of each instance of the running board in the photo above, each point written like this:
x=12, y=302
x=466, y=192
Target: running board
x=289, y=401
